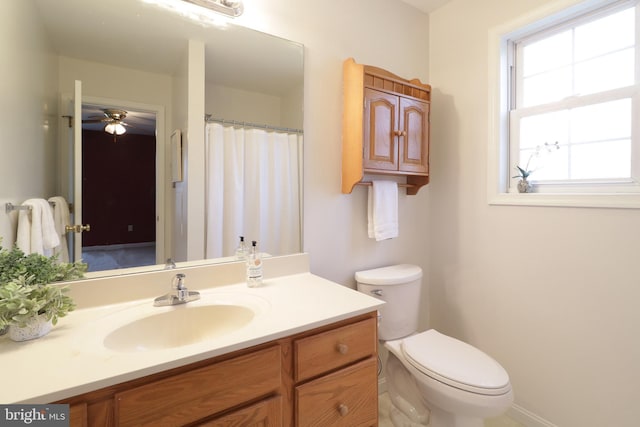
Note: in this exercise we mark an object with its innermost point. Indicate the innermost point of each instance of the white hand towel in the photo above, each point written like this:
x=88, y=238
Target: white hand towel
x=382, y=210
x=36, y=229
x=61, y=218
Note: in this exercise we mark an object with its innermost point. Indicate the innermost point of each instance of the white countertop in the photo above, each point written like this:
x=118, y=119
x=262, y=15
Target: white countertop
x=71, y=360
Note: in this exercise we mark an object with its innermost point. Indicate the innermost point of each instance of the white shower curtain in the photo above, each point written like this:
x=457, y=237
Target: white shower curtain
x=253, y=189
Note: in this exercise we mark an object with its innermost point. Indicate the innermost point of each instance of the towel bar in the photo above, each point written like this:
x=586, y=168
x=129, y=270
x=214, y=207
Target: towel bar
x=9, y=207
x=369, y=184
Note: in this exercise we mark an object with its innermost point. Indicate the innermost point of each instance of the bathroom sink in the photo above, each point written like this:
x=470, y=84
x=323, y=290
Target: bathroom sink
x=143, y=327
x=183, y=325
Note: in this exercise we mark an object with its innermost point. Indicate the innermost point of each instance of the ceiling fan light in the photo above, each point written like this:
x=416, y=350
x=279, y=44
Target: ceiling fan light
x=115, y=128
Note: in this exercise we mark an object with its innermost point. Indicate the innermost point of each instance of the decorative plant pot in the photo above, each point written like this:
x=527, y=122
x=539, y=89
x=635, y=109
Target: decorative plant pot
x=36, y=327
x=524, y=186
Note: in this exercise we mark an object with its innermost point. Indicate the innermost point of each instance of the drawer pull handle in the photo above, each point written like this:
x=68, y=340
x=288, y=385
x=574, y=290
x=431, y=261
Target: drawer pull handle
x=343, y=409
x=342, y=348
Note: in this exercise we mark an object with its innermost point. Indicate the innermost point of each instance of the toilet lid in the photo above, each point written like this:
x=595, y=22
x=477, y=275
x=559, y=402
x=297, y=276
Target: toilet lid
x=455, y=363
x=392, y=275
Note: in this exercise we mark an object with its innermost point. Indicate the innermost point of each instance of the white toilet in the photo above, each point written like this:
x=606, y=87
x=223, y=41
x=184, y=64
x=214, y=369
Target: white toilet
x=432, y=379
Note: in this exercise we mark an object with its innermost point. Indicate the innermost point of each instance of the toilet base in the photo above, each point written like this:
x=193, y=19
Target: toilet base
x=440, y=418
x=433, y=404
x=399, y=419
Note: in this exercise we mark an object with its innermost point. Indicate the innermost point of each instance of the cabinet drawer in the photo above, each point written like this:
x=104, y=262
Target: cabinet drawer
x=333, y=349
x=194, y=395
x=347, y=398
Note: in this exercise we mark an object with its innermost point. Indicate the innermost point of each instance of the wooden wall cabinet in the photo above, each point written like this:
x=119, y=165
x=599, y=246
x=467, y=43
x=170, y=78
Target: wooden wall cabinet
x=326, y=376
x=385, y=126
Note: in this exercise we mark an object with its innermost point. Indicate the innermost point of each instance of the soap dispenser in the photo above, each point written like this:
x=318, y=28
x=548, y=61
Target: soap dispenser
x=241, y=250
x=254, y=266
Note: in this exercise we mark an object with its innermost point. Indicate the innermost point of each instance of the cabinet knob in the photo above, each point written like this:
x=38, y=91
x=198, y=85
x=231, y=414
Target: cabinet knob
x=343, y=409
x=403, y=133
x=342, y=348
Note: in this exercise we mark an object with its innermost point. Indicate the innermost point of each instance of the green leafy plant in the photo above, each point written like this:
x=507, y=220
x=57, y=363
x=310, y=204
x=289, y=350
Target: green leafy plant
x=522, y=173
x=27, y=286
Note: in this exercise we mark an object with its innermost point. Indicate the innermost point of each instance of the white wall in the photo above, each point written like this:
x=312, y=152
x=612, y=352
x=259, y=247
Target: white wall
x=335, y=227
x=24, y=98
x=188, y=194
x=193, y=148
x=551, y=293
x=235, y=104
x=292, y=112
x=179, y=189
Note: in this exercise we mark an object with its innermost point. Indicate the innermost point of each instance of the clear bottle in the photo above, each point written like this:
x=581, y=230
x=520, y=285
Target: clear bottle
x=254, y=266
x=241, y=250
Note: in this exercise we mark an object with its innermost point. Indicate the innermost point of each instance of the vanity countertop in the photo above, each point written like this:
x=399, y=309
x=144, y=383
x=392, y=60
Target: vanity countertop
x=71, y=359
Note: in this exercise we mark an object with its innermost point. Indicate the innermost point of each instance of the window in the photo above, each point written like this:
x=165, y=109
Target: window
x=570, y=101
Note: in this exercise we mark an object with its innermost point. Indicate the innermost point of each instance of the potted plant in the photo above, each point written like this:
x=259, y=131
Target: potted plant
x=524, y=186
x=30, y=301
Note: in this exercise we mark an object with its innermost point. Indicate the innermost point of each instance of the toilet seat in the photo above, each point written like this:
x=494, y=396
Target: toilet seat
x=455, y=363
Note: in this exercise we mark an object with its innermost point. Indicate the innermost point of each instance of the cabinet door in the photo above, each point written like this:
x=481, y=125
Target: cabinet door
x=78, y=415
x=266, y=413
x=380, y=130
x=414, y=136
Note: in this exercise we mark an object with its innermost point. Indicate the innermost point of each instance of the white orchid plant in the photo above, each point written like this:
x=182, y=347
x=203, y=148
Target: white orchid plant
x=523, y=173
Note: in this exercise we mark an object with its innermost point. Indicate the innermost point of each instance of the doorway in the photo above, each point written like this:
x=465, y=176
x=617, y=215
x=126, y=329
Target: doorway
x=119, y=186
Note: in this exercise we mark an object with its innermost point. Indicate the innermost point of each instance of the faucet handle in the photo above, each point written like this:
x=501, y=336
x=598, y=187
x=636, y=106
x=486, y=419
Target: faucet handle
x=178, y=282
x=169, y=264
x=178, y=285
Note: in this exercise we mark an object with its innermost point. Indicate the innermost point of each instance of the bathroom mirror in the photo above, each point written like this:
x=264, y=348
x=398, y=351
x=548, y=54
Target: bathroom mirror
x=153, y=37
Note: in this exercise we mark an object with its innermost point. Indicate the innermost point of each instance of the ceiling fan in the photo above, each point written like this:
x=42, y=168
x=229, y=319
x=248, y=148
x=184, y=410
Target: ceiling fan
x=113, y=120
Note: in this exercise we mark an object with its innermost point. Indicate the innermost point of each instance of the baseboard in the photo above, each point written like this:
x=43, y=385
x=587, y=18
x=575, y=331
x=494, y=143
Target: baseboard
x=527, y=418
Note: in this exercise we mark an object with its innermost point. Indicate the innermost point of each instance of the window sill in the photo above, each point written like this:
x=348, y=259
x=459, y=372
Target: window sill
x=613, y=201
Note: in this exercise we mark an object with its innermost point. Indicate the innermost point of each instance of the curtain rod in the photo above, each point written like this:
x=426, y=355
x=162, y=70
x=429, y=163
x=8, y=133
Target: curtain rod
x=209, y=118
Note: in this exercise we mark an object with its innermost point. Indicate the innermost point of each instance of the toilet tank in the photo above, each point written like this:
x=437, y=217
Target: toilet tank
x=399, y=286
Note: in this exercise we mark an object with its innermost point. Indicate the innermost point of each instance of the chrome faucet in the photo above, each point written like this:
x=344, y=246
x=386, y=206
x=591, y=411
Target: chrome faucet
x=179, y=293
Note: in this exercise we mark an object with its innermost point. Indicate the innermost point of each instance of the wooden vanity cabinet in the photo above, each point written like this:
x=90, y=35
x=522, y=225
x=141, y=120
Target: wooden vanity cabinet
x=326, y=376
x=385, y=127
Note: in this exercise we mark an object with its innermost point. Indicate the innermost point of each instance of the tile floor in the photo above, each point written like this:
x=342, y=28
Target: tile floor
x=384, y=421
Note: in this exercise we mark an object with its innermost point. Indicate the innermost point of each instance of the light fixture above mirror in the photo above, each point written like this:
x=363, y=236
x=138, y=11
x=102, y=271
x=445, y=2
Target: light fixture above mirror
x=226, y=7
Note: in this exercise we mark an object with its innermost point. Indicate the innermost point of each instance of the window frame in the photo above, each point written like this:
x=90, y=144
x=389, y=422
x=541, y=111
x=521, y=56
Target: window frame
x=500, y=186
